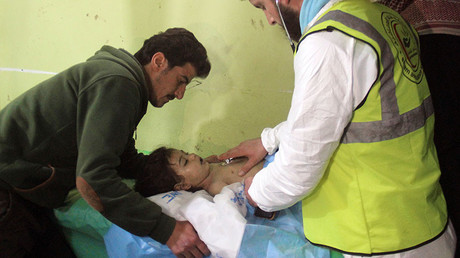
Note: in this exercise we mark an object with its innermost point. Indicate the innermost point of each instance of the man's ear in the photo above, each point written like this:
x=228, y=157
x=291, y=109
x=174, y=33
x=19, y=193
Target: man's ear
x=158, y=61
x=182, y=186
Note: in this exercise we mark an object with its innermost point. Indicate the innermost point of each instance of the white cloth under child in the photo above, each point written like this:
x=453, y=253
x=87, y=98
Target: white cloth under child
x=219, y=220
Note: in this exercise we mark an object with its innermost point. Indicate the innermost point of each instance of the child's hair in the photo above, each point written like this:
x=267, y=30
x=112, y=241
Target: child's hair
x=158, y=175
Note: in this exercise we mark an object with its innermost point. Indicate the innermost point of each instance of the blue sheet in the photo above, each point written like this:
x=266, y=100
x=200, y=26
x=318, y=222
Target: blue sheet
x=281, y=237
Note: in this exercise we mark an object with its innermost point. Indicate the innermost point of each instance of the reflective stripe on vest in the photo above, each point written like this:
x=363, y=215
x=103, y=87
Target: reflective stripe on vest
x=393, y=124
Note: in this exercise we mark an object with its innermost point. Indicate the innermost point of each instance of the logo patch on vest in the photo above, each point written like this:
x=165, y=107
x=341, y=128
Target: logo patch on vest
x=404, y=41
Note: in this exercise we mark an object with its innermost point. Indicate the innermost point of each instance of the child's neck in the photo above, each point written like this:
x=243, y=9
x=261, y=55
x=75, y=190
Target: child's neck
x=207, y=182
x=213, y=183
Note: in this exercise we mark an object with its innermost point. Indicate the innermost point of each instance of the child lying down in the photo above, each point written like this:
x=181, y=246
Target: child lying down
x=170, y=169
x=219, y=219
x=222, y=218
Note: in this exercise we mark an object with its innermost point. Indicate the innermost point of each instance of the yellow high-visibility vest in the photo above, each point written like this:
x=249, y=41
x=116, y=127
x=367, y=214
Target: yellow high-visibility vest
x=380, y=192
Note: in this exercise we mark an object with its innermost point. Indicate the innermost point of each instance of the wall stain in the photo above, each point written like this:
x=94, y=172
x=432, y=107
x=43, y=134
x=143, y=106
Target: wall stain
x=96, y=17
x=253, y=23
x=262, y=24
x=257, y=26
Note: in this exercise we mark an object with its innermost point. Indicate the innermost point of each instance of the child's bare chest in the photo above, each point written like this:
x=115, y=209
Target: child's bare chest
x=228, y=173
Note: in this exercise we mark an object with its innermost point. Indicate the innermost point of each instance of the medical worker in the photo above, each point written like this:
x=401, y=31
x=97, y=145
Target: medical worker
x=76, y=130
x=357, y=146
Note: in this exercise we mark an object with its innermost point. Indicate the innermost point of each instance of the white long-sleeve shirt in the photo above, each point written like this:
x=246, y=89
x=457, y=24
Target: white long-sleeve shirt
x=333, y=74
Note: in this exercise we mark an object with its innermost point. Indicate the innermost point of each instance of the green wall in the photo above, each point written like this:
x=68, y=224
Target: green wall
x=249, y=87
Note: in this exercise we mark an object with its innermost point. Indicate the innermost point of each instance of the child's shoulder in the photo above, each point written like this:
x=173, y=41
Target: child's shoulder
x=216, y=187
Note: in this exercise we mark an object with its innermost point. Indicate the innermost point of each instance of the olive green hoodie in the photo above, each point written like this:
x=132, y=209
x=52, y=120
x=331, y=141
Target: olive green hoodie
x=81, y=122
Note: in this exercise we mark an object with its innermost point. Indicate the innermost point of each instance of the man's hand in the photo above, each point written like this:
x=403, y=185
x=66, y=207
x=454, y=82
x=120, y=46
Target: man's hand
x=184, y=241
x=247, y=184
x=252, y=149
x=212, y=159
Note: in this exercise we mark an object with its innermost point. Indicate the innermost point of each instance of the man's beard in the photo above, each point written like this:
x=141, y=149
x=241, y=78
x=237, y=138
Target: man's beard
x=291, y=20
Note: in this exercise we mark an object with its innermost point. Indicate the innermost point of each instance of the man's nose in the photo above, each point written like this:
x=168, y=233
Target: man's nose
x=180, y=92
x=270, y=19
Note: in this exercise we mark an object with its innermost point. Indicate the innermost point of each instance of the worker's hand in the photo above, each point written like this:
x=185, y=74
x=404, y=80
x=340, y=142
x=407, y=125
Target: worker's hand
x=184, y=241
x=252, y=149
x=212, y=159
x=247, y=184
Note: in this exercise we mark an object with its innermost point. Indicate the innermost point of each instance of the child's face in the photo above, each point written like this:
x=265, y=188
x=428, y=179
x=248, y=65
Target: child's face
x=192, y=167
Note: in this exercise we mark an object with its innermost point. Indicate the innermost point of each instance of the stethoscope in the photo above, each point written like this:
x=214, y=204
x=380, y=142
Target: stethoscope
x=284, y=26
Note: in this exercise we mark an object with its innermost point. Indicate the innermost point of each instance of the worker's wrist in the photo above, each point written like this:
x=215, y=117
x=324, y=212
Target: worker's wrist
x=268, y=139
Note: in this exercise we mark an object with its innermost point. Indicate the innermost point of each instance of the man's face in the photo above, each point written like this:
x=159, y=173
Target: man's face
x=170, y=83
x=290, y=16
x=191, y=167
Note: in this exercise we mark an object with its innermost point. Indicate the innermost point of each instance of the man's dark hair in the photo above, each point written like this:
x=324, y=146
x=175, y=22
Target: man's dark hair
x=179, y=47
x=157, y=176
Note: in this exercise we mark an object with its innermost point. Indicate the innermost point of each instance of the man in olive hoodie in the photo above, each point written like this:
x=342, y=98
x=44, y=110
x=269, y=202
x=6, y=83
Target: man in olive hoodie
x=76, y=130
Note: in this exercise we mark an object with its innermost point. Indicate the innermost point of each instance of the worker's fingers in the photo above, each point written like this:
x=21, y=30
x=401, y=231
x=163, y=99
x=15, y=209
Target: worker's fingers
x=232, y=153
x=184, y=239
x=203, y=248
x=194, y=252
x=212, y=159
x=247, y=166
